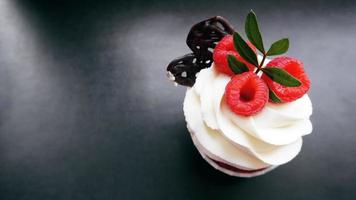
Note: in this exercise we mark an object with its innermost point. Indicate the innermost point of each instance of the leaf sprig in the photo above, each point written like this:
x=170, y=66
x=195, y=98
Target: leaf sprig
x=279, y=47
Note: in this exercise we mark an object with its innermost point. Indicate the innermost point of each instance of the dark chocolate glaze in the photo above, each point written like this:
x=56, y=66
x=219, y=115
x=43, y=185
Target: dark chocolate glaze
x=189, y=64
x=202, y=39
x=206, y=34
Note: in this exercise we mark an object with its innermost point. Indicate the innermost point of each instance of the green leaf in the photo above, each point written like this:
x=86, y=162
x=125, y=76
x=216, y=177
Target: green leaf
x=236, y=66
x=279, y=47
x=244, y=50
x=253, y=32
x=281, y=76
x=274, y=97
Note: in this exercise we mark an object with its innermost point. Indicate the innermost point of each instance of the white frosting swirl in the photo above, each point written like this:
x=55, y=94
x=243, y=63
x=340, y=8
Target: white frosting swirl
x=270, y=138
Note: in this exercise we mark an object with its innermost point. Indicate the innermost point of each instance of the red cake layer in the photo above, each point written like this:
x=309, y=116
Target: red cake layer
x=235, y=169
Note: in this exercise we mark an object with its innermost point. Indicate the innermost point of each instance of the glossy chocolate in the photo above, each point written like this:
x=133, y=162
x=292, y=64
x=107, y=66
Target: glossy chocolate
x=202, y=39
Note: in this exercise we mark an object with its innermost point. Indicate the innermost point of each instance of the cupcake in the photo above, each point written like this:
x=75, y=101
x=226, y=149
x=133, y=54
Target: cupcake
x=246, y=107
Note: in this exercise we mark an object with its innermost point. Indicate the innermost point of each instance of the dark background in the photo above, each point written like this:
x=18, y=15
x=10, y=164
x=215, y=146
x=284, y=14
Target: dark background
x=86, y=111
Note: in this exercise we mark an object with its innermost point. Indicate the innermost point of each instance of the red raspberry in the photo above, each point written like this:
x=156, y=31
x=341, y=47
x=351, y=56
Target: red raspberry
x=295, y=68
x=246, y=94
x=224, y=48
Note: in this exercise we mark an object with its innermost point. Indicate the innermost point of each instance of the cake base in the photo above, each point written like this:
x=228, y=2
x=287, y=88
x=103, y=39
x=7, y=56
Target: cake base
x=228, y=169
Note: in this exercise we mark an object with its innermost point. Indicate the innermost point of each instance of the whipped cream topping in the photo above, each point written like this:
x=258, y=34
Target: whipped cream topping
x=265, y=140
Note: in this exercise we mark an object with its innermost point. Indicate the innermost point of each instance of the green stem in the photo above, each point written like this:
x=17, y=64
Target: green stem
x=261, y=64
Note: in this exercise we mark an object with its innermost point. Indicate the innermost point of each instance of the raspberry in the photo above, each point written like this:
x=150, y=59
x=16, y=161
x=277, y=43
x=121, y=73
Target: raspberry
x=295, y=68
x=246, y=94
x=224, y=48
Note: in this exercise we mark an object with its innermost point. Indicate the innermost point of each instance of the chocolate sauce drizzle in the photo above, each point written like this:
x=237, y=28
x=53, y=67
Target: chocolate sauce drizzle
x=202, y=39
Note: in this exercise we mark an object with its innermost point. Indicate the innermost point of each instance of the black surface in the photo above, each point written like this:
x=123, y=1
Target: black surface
x=86, y=111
